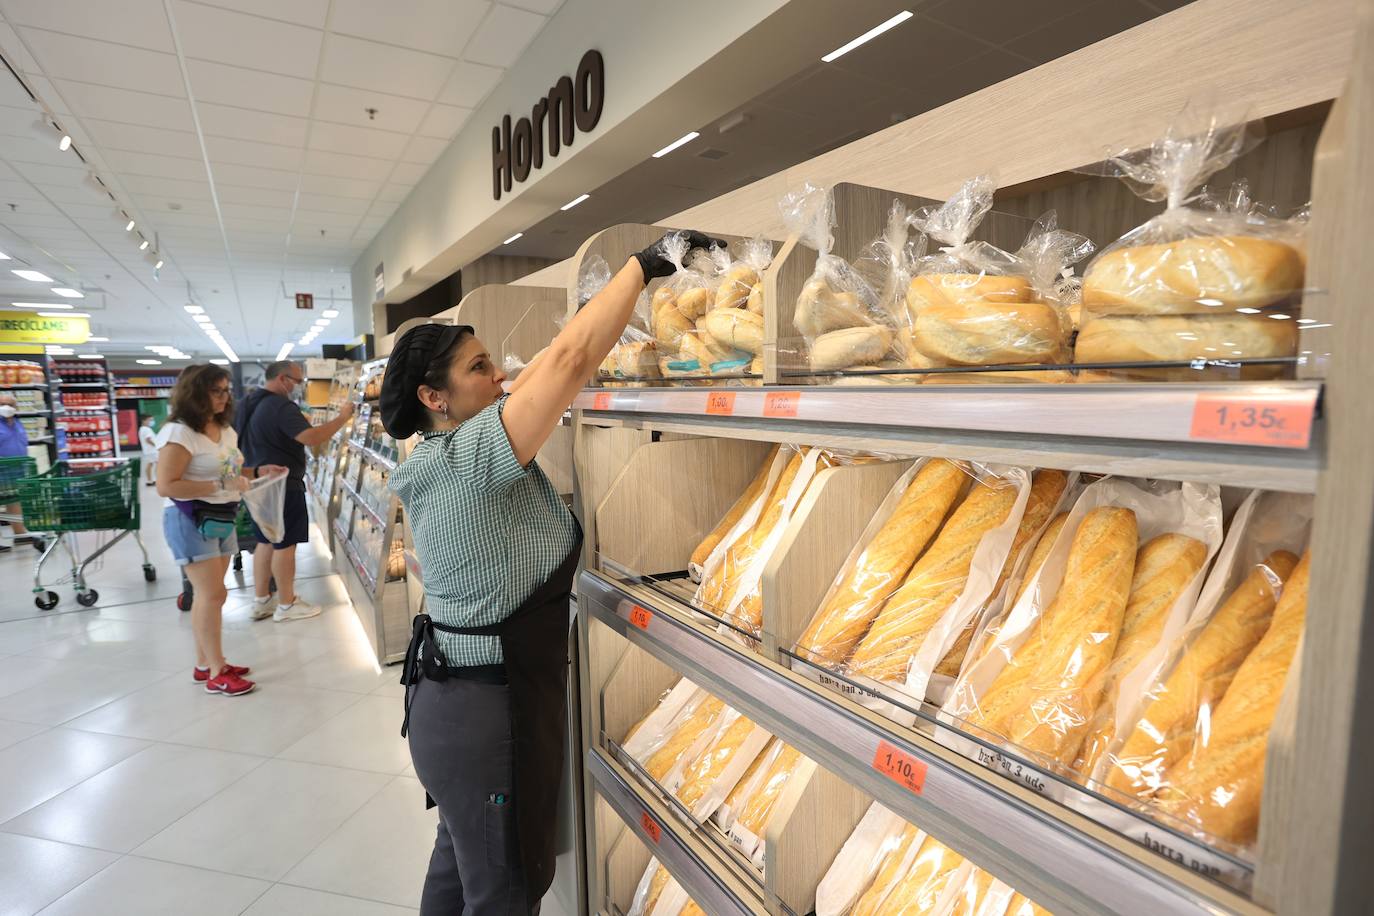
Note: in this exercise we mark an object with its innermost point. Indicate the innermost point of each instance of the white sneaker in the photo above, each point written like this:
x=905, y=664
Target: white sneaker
x=296, y=610
x=262, y=607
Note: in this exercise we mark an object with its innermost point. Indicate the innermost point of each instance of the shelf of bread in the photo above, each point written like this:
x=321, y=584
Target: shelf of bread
x=855, y=605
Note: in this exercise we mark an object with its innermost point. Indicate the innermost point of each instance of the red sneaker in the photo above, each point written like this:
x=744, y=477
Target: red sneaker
x=201, y=675
x=228, y=684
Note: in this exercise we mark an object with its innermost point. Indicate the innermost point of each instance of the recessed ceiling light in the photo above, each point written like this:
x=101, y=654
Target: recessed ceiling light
x=65, y=314
x=97, y=340
x=680, y=141
x=3, y=256
x=220, y=362
x=60, y=351
x=1307, y=321
x=1280, y=317
x=285, y=349
x=42, y=305
x=68, y=293
x=149, y=362
x=34, y=275
x=574, y=202
x=1248, y=311
x=89, y=356
x=330, y=313
x=871, y=34
x=513, y=238
x=201, y=319
x=194, y=309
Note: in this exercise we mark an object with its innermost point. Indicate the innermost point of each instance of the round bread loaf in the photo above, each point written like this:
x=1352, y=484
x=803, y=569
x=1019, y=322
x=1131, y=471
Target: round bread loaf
x=850, y=347
x=755, y=301
x=737, y=328
x=739, y=278
x=637, y=359
x=1124, y=338
x=937, y=289
x=820, y=309
x=669, y=326
x=982, y=333
x=694, y=302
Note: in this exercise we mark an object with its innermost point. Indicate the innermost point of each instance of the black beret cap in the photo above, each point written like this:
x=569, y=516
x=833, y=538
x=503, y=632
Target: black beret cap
x=405, y=371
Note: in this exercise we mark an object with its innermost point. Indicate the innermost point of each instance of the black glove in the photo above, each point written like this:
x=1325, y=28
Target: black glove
x=654, y=262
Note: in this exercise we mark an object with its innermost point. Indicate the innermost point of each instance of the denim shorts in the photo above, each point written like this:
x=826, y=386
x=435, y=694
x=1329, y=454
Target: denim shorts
x=189, y=545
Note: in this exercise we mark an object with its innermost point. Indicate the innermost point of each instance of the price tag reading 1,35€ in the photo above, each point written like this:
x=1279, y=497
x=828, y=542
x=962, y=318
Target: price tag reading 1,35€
x=1280, y=423
x=900, y=767
x=781, y=403
x=640, y=617
x=720, y=403
x=651, y=828
x=601, y=401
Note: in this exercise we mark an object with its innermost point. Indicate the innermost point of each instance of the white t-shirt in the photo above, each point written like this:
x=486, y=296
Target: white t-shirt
x=147, y=440
x=210, y=460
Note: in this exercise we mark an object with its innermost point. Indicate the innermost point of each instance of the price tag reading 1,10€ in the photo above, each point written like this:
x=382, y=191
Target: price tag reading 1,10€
x=900, y=767
x=640, y=617
x=1252, y=421
x=651, y=828
x=720, y=403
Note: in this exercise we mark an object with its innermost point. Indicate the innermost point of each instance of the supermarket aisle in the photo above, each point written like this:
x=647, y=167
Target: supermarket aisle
x=124, y=788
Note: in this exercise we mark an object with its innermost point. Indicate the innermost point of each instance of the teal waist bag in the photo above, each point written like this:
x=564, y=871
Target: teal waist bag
x=214, y=521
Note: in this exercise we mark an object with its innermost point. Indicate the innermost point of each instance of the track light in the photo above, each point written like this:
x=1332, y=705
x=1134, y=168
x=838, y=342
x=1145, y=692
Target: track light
x=158, y=265
x=65, y=143
x=130, y=226
x=143, y=246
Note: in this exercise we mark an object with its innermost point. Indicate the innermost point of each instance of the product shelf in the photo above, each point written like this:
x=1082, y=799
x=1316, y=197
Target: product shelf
x=362, y=503
x=705, y=877
x=1059, y=858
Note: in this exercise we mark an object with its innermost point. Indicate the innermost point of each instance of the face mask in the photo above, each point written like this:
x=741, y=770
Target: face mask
x=7, y=411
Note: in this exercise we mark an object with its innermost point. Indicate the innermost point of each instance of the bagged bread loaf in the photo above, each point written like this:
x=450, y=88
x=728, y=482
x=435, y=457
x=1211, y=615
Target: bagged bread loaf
x=663, y=747
x=1197, y=264
x=731, y=518
x=905, y=523
x=739, y=278
x=1020, y=905
x=946, y=586
x=650, y=889
x=1166, y=567
x=1181, y=338
x=1217, y=786
x=748, y=809
x=708, y=777
x=934, y=873
x=686, y=348
x=1233, y=613
x=880, y=842
x=973, y=893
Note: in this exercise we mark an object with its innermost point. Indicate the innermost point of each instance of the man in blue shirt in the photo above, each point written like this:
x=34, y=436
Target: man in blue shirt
x=273, y=430
x=14, y=443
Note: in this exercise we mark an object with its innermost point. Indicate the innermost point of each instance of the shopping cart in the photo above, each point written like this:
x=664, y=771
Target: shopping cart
x=82, y=495
x=243, y=528
x=12, y=470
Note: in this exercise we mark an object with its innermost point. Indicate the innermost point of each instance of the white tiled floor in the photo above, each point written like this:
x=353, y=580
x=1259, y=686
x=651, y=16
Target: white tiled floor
x=125, y=788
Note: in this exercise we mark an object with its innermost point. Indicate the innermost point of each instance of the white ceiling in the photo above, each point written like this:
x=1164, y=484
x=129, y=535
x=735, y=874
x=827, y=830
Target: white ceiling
x=236, y=133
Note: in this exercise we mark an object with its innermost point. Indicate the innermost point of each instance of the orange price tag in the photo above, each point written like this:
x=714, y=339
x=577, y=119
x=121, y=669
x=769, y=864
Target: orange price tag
x=651, y=828
x=781, y=403
x=640, y=617
x=601, y=401
x=1252, y=421
x=900, y=767
x=720, y=403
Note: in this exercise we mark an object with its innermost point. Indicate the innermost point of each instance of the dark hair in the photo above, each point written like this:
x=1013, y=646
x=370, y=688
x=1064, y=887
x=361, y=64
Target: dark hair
x=436, y=373
x=277, y=368
x=190, y=400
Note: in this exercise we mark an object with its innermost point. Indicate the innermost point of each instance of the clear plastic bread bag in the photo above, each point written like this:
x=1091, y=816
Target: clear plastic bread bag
x=748, y=809
x=942, y=592
x=837, y=312
x=678, y=307
x=927, y=880
x=678, y=728
x=731, y=322
x=747, y=500
x=633, y=361
x=1038, y=687
x=266, y=499
x=705, y=780
x=513, y=362
x=1194, y=282
x=657, y=893
x=881, y=841
x=1176, y=703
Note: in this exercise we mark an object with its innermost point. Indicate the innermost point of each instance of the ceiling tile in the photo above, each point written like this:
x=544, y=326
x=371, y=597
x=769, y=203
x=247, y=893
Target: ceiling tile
x=255, y=177
x=255, y=211
x=438, y=26
x=503, y=35
x=424, y=150
x=545, y=7
x=227, y=37
x=323, y=203
x=31, y=149
x=314, y=220
x=339, y=187
x=250, y=152
x=162, y=190
x=113, y=104
x=53, y=174
x=122, y=135
x=14, y=50
x=409, y=172
x=225, y=85
x=344, y=105
x=1090, y=24
x=67, y=191
x=367, y=65
x=341, y=138
x=394, y=193
x=18, y=189
x=443, y=121
x=301, y=12
x=225, y=121
x=141, y=23
x=469, y=84
x=341, y=165
x=103, y=63
x=154, y=166
x=232, y=193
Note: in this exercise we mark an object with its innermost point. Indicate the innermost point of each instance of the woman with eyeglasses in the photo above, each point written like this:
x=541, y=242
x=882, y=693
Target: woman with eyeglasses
x=201, y=474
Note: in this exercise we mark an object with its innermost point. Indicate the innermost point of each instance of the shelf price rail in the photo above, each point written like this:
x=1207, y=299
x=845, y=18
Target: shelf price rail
x=1066, y=863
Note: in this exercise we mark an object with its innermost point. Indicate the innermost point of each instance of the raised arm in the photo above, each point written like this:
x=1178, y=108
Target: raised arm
x=315, y=435
x=547, y=388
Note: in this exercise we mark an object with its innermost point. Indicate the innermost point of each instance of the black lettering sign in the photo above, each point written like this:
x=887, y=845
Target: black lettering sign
x=572, y=104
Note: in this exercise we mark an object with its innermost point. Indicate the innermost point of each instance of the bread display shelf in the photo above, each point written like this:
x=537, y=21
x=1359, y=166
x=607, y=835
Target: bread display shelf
x=687, y=858
x=1057, y=857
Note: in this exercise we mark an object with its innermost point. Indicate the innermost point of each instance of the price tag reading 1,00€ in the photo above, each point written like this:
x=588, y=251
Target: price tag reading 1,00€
x=601, y=401
x=1281, y=423
x=651, y=828
x=720, y=403
x=640, y=617
x=900, y=767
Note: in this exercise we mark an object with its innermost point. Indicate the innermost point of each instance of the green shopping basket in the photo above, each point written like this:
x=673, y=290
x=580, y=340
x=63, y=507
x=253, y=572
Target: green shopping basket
x=12, y=470
x=73, y=497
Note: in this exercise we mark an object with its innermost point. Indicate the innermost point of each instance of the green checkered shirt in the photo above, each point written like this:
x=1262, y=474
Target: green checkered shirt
x=487, y=531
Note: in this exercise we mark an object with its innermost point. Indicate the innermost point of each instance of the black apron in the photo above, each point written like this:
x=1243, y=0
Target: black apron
x=534, y=641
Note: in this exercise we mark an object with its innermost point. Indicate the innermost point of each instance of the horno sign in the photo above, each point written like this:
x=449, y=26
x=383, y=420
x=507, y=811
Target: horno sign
x=573, y=104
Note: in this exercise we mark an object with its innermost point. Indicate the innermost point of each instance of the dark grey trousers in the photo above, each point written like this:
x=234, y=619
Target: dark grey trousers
x=461, y=745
